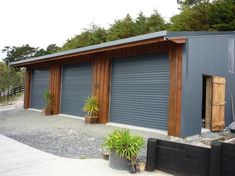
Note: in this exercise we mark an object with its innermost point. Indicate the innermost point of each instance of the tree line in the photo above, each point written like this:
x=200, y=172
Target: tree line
x=195, y=15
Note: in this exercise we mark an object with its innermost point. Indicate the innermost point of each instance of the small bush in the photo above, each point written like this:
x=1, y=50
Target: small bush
x=124, y=144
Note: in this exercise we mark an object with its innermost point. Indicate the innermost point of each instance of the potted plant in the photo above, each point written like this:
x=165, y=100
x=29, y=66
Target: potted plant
x=48, y=102
x=124, y=149
x=91, y=107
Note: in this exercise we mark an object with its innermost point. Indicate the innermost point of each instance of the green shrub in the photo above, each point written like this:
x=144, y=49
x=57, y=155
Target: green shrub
x=124, y=144
x=91, y=106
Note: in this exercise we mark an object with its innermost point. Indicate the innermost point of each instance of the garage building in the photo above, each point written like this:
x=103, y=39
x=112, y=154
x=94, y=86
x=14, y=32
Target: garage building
x=168, y=81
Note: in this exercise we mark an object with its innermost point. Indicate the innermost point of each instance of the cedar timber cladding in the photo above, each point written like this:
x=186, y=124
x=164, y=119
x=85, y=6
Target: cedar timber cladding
x=28, y=77
x=176, y=54
x=55, y=86
x=101, y=81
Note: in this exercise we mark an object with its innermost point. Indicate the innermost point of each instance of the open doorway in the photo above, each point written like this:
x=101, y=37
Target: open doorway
x=206, y=101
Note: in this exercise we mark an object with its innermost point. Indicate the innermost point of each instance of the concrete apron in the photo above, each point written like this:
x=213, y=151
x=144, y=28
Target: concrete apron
x=19, y=159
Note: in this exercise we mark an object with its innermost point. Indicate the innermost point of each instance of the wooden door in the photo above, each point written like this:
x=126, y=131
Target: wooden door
x=218, y=103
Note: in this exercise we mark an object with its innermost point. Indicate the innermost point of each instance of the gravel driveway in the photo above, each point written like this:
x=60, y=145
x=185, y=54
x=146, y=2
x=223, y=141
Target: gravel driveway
x=58, y=135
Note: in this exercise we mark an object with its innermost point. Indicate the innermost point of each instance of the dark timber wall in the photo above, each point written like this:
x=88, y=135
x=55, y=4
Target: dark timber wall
x=184, y=159
x=101, y=63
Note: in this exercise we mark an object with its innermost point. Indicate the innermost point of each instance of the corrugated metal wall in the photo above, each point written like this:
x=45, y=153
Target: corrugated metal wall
x=140, y=91
x=206, y=55
x=76, y=87
x=40, y=83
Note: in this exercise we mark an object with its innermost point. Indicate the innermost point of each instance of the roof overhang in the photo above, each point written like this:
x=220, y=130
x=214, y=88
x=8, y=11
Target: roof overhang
x=117, y=44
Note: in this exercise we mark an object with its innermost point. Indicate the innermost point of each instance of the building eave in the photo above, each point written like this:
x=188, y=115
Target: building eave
x=132, y=41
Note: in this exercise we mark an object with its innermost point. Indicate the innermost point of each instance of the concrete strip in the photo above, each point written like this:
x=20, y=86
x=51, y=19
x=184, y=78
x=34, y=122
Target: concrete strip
x=120, y=125
x=72, y=116
x=19, y=159
x=36, y=110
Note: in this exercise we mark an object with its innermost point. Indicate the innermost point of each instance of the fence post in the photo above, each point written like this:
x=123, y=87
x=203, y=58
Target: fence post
x=151, y=154
x=215, y=159
x=8, y=94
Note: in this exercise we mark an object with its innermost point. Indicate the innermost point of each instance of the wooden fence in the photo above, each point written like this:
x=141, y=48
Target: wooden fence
x=185, y=159
x=16, y=90
x=12, y=91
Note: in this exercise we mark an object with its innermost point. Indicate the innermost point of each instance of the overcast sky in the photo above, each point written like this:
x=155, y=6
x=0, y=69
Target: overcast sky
x=43, y=22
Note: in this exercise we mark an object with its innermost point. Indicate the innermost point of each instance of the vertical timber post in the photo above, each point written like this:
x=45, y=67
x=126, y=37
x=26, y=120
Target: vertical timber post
x=151, y=154
x=175, y=94
x=216, y=156
x=55, y=85
x=27, y=89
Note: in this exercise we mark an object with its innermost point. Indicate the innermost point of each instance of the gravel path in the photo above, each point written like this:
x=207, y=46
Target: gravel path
x=59, y=135
x=63, y=142
x=68, y=137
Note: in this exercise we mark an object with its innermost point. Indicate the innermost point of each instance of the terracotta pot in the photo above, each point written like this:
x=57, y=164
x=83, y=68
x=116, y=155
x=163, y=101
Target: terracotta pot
x=91, y=119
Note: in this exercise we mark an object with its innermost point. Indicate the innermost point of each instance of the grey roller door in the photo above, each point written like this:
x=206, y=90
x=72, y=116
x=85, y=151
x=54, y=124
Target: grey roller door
x=40, y=83
x=76, y=87
x=140, y=91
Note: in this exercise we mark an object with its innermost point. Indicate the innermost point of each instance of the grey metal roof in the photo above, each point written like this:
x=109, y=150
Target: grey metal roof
x=165, y=34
